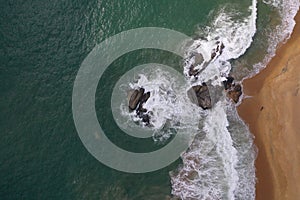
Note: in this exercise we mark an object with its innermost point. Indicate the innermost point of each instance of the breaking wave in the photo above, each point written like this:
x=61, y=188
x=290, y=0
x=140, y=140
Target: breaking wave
x=219, y=164
x=287, y=10
x=214, y=167
x=227, y=38
x=168, y=106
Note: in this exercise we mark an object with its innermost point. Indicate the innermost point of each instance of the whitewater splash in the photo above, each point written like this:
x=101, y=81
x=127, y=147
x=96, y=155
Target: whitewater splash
x=227, y=170
x=214, y=167
x=220, y=161
x=287, y=10
x=225, y=39
x=168, y=106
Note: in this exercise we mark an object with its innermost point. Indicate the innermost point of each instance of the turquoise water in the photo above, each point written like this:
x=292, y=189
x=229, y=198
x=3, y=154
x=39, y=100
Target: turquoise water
x=42, y=45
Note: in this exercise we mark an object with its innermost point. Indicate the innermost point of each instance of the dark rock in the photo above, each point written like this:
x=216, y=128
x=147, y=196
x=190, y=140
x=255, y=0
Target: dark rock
x=235, y=93
x=228, y=83
x=200, y=96
x=218, y=48
x=136, y=101
x=141, y=109
x=261, y=108
x=141, y=113
x=146, y=119
x=135, y=98
x=193, y=71
x=145, y=97
x=222, y=47
x=213, y=55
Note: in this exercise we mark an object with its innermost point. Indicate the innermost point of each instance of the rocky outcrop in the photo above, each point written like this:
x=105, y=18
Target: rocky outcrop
x=198, y=61
x=136, y=101
x=141, y=112
x=135, y=98
x=221, y=48
x=194, y=69
x=235, y=93
x=213, y=55
x=228, y=83
x=145, y=97
x=194, y=72
x=198, y=58
x=217, y=51
x=200, y=96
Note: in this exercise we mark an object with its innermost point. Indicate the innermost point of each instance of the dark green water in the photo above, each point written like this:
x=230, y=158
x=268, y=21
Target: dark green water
x=42, y=44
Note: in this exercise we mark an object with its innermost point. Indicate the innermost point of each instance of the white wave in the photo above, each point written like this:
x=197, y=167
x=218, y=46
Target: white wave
x=218, y=133
x=287, y=10
x=208, y=170
x=243, y=141
x=213, y=168
x=168, y=105
x=235, y=35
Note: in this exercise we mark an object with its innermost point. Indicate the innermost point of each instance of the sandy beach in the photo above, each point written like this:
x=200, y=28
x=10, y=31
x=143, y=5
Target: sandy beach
x=272, y=111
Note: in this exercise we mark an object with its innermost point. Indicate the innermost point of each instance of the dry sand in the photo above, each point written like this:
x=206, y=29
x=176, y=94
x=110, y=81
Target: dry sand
x=273, y=115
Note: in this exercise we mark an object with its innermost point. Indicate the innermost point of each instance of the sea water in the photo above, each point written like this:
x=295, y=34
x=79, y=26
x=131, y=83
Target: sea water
x=220, y=162
x=42, y=47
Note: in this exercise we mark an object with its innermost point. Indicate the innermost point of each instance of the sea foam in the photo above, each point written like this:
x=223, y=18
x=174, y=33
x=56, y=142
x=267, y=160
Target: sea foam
x=235, y=35
x=208, y=170
x=287, y=10
x=214, y=167
x=169, y=107
x=220, y=161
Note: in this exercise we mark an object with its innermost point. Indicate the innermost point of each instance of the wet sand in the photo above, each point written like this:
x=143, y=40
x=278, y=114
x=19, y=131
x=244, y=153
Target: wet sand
x=273, y=115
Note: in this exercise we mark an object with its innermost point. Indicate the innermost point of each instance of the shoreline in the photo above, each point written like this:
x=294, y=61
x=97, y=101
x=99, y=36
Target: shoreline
x=271, y=112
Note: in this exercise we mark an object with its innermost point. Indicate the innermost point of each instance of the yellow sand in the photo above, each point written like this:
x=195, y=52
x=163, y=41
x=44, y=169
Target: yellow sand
x=273, y=115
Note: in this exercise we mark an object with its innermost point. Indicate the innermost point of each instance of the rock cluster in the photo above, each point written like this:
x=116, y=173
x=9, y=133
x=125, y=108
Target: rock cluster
x=216, y=52
x=198, y=60
x=200, y=96
x=228, y=83
x=137, y=99
x=234, y=91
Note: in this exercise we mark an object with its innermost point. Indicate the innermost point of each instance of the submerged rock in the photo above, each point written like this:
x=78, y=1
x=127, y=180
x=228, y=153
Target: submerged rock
x=235, y=93
x=146, y=119
x=192, y=175
x=200, y=96
x=213, y=55
x=198, y=58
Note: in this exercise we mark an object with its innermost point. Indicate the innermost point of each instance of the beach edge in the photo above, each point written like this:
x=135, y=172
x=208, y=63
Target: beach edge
x=275, y=129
